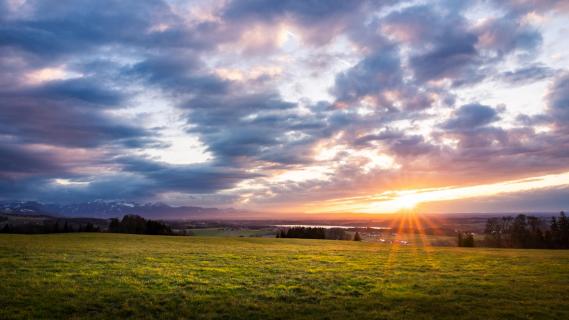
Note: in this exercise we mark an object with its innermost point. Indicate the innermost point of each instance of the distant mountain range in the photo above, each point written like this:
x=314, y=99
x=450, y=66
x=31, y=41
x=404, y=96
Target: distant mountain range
x=112, y=209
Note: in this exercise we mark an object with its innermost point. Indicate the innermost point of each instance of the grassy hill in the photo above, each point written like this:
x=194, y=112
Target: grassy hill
x=117, y=276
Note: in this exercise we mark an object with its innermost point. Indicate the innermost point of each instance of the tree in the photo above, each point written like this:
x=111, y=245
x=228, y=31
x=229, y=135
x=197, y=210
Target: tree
x=357, y=237
x=56, y=227
x=156, y=227
x=334, y=234
x=6, y=229
x=306, y=233
x=89, y=227
x=465, y=239
x=563, y=230
x=555, y=234
x=493, y=232
x=468, y=240
x=137, y=225
x=114, y=225
x=528, y=232
x=66, y=227
x=536, y=239
x=131, y=223
x=519, y=233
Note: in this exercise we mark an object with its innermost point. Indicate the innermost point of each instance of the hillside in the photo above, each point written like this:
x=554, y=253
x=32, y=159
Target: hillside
x=118, y=276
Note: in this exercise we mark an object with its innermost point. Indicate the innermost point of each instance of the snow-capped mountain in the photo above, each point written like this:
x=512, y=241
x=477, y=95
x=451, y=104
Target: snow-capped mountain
x=110, y=209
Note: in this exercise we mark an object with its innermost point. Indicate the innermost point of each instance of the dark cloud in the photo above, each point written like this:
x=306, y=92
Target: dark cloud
x=105, y=187
x=559, y=100
x=471, y=116
x=377, y=72
x=140, y=179
x=527, y=75
x=447, y=49
x=65, y=123
x=245, y=129
x=451, y=48
x=18, y=161
x=174, y=74
x=307, y=11
x=380, y=75
x=66, y=27
x=454, y=58
x=533, y=120
x=163, y=177
x=88, y=91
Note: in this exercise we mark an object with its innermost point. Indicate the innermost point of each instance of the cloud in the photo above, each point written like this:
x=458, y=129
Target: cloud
x=55, y=29
x=241, y=129
x=558, y=99
x=319, y=21
x=471, y=116
x=163, y=177
x=177, y=75
x=456, y=58
x=377, y=72
x=19, y=161
x=89, y=89
x=65, y=123
x=527, y=75
x=304, y=11
x=548, y=200
x=506, y=34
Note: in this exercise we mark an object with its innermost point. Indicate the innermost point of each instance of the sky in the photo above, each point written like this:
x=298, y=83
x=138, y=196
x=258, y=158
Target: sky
x=287, y=106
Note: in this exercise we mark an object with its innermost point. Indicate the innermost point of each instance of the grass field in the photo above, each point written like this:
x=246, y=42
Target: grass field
x=115, y=276
x=227, y=232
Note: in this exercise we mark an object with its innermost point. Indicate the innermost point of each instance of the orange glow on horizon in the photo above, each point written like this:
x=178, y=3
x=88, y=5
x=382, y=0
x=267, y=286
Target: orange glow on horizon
x=408, y=200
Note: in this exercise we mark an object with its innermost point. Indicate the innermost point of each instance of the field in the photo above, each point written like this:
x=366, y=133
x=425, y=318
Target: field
x=111, y=276
x=231, y=232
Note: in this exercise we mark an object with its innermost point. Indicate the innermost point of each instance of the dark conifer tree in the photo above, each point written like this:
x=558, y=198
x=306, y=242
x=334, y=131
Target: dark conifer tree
x=114, y=225
x=563, y=230
x=357, y=237
x=56, y=227
x=6, y=229
x=555, y=233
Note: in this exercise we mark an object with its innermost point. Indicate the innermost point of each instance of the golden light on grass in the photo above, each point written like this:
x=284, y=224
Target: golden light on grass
x=410, y=229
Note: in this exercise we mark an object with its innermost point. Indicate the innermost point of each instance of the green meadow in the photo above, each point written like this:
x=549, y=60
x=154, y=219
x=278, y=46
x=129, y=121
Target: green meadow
x=112, y=276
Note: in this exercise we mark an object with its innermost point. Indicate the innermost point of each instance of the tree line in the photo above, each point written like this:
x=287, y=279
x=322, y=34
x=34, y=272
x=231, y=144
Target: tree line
x=528, y=232
x=317, y=233
x=49, y=227
x=138, y=225
x=128, y=224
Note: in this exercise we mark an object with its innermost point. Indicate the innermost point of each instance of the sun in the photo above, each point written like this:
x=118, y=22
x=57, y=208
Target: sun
x=401, y=203
x=405, y=203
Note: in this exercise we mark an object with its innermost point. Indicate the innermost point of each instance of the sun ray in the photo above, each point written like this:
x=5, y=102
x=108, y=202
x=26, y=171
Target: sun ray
x=426, y=244
x=394, y=246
